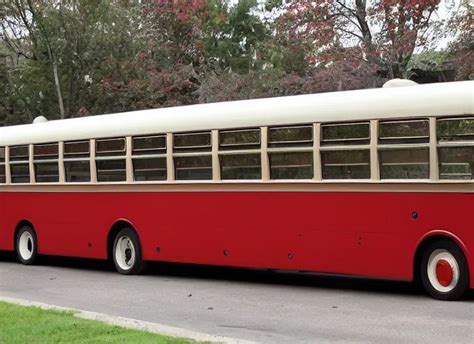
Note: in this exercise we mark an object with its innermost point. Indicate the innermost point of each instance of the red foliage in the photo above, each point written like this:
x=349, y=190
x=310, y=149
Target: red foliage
x=385, y=32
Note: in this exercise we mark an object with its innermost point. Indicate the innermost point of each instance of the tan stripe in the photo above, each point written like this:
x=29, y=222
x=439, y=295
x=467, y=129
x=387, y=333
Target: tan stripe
x=271, y=186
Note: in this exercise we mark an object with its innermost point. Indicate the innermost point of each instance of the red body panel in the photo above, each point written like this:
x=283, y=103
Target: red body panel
x=367, y=234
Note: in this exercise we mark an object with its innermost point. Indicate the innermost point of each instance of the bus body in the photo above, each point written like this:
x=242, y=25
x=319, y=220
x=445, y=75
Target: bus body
x=356, y=182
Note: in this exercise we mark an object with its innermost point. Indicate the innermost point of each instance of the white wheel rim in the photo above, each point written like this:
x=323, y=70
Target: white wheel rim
x=26, y=245
x=435, y=258
x=125, y=253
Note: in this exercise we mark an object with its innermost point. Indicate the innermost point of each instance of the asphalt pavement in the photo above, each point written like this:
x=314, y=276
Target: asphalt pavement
x=256, y=305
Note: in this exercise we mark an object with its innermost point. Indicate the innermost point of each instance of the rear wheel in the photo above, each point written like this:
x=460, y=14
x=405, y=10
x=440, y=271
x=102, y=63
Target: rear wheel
x=444, y=271
x=26, y=245
x=127, y=253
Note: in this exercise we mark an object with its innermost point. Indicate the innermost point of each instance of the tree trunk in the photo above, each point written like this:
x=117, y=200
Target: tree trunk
x=58, y=90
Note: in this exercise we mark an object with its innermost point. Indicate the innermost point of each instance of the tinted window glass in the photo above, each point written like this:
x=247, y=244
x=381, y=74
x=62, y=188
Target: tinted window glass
x=239, y=139
x=290, y=136
x=149, y=145
x=345, y=134
x=149, y=169
x=111, y=171
x=412, y=131
x=456, y=163
x=47, y=172
x=78, y=149
x=291, y=165
x=455, y=129
x=20, y=173
x=19, y=153
x=193, y=168
x=241, y=166
x=346, y=164
x=77, y=171
x=405, y=164
x=2, y=154
x=47, y=151
x=192, y=142
x=3, y=178
x=110, y=147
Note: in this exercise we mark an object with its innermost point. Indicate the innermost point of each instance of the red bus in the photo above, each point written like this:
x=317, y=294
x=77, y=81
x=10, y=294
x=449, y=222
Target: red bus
x=375, y=183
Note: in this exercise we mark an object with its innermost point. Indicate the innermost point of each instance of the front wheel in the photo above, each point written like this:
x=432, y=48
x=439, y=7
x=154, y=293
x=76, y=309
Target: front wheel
x=26, y=245
x=127, y=253
x=444, y=271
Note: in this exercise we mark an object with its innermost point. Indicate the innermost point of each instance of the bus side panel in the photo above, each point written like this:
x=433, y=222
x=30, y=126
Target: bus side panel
x=369, y=234
x=3, y=223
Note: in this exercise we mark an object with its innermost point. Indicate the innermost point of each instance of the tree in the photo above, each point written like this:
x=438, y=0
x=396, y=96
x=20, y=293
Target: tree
x=384, y=33
x=462, y=48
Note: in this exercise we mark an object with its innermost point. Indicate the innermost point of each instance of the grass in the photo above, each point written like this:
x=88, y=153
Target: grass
x=20, y=324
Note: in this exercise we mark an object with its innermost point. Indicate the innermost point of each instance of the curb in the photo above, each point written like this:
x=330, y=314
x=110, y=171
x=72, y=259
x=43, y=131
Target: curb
x=131, y=323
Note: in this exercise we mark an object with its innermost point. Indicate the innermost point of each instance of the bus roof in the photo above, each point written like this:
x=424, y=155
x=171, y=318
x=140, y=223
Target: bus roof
x=441, y=99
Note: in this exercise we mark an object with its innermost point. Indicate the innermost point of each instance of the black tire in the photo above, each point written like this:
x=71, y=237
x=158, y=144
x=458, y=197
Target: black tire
x=456, y=290
x=26, y=245
x=130, y=263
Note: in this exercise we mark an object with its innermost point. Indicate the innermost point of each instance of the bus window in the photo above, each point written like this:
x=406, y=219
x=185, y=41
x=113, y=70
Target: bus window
x=346, y=164
x=240, y=156
x=19, y=165
x=193, y=167
x=455, y=129
x=292, y=165
x=412, y=163
x=3, y=178
x=407, y=131
x=456, y=162
x=192, y=142
x=298, y=136
x=345, y=134
x=111, y=169
x=239, y=139
x=146, y=145
x=46, y=163
x=77, y=161
x=149, y=169
x=149, y=158
x=110, y=147
x=241, y=166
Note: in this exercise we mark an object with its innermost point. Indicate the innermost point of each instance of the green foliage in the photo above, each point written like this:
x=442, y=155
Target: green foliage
x=70, y=58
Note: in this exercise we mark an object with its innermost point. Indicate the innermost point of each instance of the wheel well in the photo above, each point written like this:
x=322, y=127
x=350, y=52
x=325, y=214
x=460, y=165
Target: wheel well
x=19, y=226
x=419, y=252
x=116, y=228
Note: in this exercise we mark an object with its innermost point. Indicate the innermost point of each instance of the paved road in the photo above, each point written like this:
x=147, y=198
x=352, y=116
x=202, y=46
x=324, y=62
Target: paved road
x=269, y=307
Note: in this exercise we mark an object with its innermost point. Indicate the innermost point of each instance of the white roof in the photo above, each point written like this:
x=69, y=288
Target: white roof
x=442, y=99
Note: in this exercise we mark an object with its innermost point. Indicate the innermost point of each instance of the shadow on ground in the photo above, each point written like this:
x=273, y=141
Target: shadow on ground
x=257, y=276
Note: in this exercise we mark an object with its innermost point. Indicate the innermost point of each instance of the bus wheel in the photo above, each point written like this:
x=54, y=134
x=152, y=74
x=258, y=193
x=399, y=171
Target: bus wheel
x=444, y=271
x=26, y=245
x=127, y=253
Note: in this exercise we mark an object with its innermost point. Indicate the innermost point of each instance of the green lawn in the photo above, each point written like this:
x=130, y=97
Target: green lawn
x=32, y=325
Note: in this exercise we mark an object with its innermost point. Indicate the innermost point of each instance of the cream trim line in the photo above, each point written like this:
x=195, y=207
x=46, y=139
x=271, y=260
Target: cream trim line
x=317, y=166
x=61, y=169
x=309, y=186
x=169, y=158
x=93, y=165
x=434, y=167
x=216, y=168
x=265, y=163
x=128, y=159
x=31, y=164
x=8, y=175
x=374, y=154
